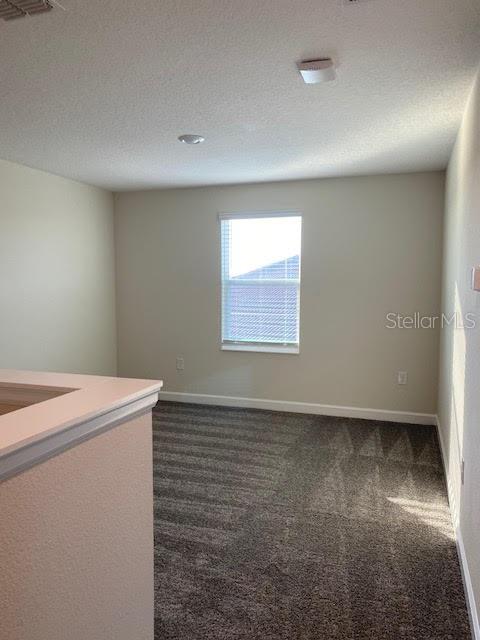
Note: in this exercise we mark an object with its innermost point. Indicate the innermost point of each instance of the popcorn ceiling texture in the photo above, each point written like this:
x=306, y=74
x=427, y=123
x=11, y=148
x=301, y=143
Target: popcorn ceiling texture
x=101, y=91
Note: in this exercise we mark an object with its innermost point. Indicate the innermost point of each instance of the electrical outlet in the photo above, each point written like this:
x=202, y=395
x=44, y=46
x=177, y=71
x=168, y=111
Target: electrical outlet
x=475, y=279
x=180, y=363
x=402, y=377
x=462, y=471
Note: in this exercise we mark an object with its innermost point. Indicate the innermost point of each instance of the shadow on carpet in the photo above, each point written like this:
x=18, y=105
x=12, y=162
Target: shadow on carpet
x=283, y=526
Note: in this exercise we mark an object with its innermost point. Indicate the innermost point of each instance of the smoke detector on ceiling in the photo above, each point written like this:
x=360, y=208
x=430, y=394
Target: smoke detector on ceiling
x=11, y=9
x=315, y=71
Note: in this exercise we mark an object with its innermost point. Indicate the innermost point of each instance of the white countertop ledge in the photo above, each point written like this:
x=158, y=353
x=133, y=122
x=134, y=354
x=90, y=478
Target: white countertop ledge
x=89, y=405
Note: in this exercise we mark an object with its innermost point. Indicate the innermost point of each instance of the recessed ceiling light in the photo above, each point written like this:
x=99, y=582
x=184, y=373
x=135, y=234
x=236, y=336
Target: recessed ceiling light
x=191, y=138
x=315, y=71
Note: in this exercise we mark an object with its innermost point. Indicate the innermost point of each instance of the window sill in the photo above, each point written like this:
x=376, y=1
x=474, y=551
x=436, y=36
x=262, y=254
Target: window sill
x=261, y=348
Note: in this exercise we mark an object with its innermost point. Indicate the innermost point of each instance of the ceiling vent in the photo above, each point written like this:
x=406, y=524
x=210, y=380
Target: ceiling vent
x=11, y=9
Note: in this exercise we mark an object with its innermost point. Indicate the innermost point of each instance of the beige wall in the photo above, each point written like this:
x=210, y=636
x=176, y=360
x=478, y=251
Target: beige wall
x=459, y=398
x=76, y=542
x=371, y=245
x=57, y=292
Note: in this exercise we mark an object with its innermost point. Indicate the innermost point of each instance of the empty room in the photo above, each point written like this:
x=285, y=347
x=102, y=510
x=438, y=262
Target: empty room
x=240, y=320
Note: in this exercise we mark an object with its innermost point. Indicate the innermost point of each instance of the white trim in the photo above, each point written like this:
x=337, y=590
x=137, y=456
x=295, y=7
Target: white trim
x=268, y=282
x=38, y=451
x=243, y=215
x=301, y=407
x=260, y=348
x=467, y=580
x=225, y=282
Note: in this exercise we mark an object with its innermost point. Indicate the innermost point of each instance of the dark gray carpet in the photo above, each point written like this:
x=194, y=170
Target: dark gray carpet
x=280, y=526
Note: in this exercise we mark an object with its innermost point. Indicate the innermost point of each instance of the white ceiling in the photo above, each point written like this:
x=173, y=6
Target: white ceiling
x=101, y=91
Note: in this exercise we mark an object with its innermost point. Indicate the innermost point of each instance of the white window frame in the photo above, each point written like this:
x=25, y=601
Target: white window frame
x=260, y=347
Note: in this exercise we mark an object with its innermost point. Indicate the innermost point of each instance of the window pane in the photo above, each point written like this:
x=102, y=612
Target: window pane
x=261, y=279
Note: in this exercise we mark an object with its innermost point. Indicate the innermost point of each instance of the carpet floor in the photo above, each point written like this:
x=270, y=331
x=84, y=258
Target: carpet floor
x=280, y=526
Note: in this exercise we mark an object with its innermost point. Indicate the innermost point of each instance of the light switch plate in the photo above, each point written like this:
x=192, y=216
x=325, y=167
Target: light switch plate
x=476, y=278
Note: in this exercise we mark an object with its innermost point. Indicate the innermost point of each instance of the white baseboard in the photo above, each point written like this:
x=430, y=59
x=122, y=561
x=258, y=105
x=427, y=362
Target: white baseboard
x=301, y=407
x=467, y=580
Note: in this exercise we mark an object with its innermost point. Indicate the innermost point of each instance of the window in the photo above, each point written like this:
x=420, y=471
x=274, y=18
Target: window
x=261, y=281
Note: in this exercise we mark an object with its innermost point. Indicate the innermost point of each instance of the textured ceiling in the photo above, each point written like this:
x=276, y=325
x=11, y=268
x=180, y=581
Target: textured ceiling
x=101, y=91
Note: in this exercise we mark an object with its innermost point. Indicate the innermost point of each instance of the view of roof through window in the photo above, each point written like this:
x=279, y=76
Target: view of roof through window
x=261, y=279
